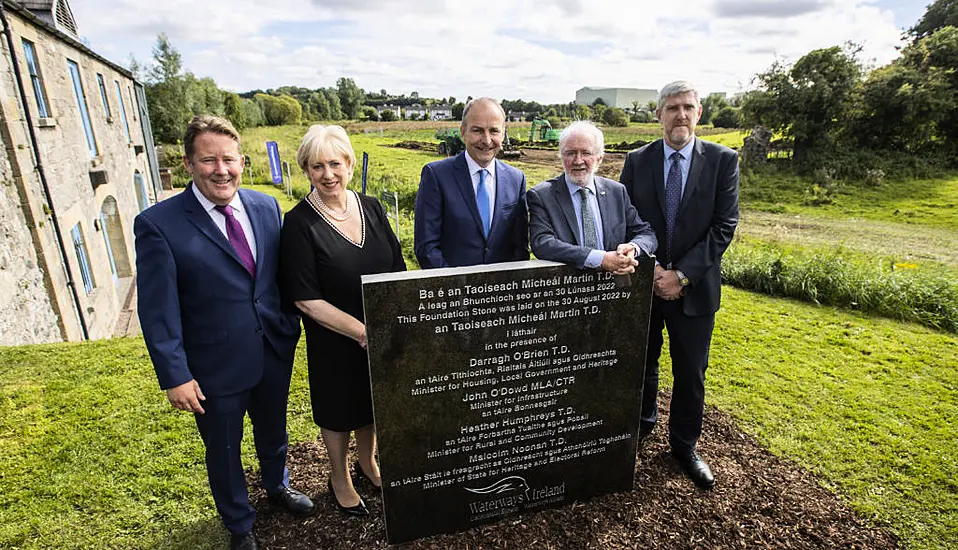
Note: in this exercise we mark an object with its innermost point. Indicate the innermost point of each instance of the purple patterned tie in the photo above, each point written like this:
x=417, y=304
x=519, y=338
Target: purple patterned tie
x=673, y=196
x=234, y=232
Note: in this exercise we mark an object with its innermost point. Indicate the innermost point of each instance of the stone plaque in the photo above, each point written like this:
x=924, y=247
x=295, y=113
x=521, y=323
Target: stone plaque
x=503, y=389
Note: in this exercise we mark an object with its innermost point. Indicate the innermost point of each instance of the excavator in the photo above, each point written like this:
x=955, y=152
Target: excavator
x=450, y=143
x=542, y=130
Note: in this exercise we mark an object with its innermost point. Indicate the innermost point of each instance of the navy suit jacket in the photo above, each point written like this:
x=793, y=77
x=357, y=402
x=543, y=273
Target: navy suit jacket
x=554, y=229
x=448, y=229
x=706, y=219
x=203, y=316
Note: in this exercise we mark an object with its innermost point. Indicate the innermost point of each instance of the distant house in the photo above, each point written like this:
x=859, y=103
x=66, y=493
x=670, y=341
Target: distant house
x=440, y=112
x=396, y=109
x=415, y=111
x=615, y=97
x=516, y=116
x=78, y=165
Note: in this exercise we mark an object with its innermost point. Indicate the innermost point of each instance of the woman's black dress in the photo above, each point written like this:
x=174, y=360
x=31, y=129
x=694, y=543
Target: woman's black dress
x=318, y=262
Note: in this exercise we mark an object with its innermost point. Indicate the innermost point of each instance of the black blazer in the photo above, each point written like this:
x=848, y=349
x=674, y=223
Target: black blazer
x=706, y=219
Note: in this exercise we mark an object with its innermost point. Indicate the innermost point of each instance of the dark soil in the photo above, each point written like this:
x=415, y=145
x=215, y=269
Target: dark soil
x=759, y=501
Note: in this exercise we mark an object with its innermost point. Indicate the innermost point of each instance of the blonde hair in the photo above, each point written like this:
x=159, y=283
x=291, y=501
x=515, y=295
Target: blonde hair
x=325, y=142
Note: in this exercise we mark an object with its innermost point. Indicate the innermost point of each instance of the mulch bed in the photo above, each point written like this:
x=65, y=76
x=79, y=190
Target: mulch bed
x=759, y=501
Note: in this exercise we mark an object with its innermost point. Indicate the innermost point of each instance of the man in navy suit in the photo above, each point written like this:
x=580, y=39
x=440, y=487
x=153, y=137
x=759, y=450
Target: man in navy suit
x=220, y=338
x=471, y=208
x=688, y=190
x=582, y=219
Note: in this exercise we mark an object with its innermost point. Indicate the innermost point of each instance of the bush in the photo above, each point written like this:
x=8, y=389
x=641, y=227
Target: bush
x=844, y=278
x=369, y=113
x=727, y=117
x=387, y=116
x=641, y=116
x=615, y=117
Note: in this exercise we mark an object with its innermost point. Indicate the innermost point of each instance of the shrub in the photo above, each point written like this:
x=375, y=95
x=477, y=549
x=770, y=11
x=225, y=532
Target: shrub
x=841, y=277
x=727, y=117
x=615, y=117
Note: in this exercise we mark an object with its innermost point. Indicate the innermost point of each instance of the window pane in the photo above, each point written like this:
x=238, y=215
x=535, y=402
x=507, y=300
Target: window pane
x=81, y=105
x=106, y=104
x=126, y=124
x=82, y=258
x=34, y=70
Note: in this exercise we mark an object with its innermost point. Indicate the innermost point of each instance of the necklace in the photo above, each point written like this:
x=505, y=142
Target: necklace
x=338, y=216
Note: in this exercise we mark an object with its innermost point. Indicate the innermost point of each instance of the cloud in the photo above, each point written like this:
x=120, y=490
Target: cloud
x=534, y=49
x=768, y=8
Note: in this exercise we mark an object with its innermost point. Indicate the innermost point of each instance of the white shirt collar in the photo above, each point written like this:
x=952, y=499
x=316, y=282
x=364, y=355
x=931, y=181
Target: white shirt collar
x=686, y=150
x=474, y=166
x=208, y=205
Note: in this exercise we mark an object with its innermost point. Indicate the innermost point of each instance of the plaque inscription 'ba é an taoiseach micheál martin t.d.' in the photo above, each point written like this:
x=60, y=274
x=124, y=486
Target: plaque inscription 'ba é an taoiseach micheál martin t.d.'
x=503, y=389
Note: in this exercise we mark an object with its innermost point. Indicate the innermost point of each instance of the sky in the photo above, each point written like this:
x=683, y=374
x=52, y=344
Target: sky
x=535, y=50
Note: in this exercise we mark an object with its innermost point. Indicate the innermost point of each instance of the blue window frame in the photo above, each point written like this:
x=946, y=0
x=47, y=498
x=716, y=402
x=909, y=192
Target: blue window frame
x=102, y=85
x=79, y=245
x=142, y=195
x=82, y=106
x=33, y=66
x=126, y=123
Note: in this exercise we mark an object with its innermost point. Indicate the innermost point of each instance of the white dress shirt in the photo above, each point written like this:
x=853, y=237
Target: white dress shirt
x=239, y=212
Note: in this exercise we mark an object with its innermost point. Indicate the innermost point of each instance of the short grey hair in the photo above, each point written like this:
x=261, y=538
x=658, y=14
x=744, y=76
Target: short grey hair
x=678, y=87
x=475, y=101
x=584, y=128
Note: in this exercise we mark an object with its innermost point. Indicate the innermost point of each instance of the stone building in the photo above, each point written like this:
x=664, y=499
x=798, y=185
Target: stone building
x=78, y=165
x=616, y=97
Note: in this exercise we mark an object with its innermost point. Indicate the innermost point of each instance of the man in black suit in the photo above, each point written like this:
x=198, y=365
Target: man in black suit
x=687, y=189
x=582, y=219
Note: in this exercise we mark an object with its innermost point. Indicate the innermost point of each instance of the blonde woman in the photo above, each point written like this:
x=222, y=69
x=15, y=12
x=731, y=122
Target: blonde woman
x=329, y=240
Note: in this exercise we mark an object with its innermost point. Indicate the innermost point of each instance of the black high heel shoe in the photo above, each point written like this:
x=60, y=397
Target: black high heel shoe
x=359, y=473
x=359, y=510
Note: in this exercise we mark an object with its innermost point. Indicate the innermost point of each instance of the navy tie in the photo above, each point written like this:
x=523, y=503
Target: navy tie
x=673, y=196
x=234, y=232
x=482, y=201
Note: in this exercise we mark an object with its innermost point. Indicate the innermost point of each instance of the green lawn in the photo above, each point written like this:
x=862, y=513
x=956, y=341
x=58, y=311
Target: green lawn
x=92, y=456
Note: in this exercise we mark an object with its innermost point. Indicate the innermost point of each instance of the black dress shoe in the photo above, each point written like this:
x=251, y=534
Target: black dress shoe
x=244, y=541
x=294, y=502
x=359, y=510
x=696, y=468
x=359, y=473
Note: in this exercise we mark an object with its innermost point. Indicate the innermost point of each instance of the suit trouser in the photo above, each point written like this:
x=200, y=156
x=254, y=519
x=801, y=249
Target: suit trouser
x=689, y=341
x=221, y=428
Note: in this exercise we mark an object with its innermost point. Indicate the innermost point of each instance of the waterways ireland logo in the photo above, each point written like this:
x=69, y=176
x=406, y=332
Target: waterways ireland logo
x=507, y=494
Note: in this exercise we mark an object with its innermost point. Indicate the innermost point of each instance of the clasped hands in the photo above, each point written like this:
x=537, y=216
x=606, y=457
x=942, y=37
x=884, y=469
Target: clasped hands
x=666, y=284
x=621, y=261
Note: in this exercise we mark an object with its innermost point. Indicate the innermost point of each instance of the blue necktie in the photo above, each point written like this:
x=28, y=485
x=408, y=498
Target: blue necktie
x=482, y=202
x=673, y=196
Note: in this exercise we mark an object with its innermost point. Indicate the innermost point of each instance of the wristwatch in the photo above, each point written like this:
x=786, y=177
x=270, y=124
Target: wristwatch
x=683, y=280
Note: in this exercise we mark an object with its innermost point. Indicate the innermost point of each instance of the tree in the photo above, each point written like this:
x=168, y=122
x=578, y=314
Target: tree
x=457, y=110
x=727, y=117
x=615, y=117
x=369, y=113
x=598, y=101
x=335, y=107
x=317, y=106
x=233, y=111
x=166, y=93
x=710, y=105
x=387, y=115
x=351, y=96
x=598, y=111
x=808, y=101
x=279, y=110
x=940, y=14
x=583, y=112
x=652, y=105
x=252, y=113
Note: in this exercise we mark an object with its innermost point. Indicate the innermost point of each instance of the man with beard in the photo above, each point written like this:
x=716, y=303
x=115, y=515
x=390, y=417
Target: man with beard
x=582, y=219
x=687, y=189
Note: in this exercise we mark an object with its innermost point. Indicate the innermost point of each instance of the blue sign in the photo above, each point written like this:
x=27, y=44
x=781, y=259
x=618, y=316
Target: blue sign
x=275, y=168
x=365, y=169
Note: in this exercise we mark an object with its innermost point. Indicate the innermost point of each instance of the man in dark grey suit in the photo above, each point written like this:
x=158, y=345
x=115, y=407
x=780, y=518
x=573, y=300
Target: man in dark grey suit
x=687, y=189
x=582, y=219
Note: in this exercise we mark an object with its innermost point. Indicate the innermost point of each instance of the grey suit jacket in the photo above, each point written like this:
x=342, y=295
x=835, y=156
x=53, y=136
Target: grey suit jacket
x=554, y=231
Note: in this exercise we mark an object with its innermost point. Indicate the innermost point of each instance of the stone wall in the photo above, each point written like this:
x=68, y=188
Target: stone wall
x=67, y=164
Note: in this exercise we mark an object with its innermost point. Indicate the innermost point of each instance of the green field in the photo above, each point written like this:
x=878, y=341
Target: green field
x=92, y=456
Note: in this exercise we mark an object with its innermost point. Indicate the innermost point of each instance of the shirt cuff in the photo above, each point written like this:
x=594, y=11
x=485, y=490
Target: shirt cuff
x=594, y=259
